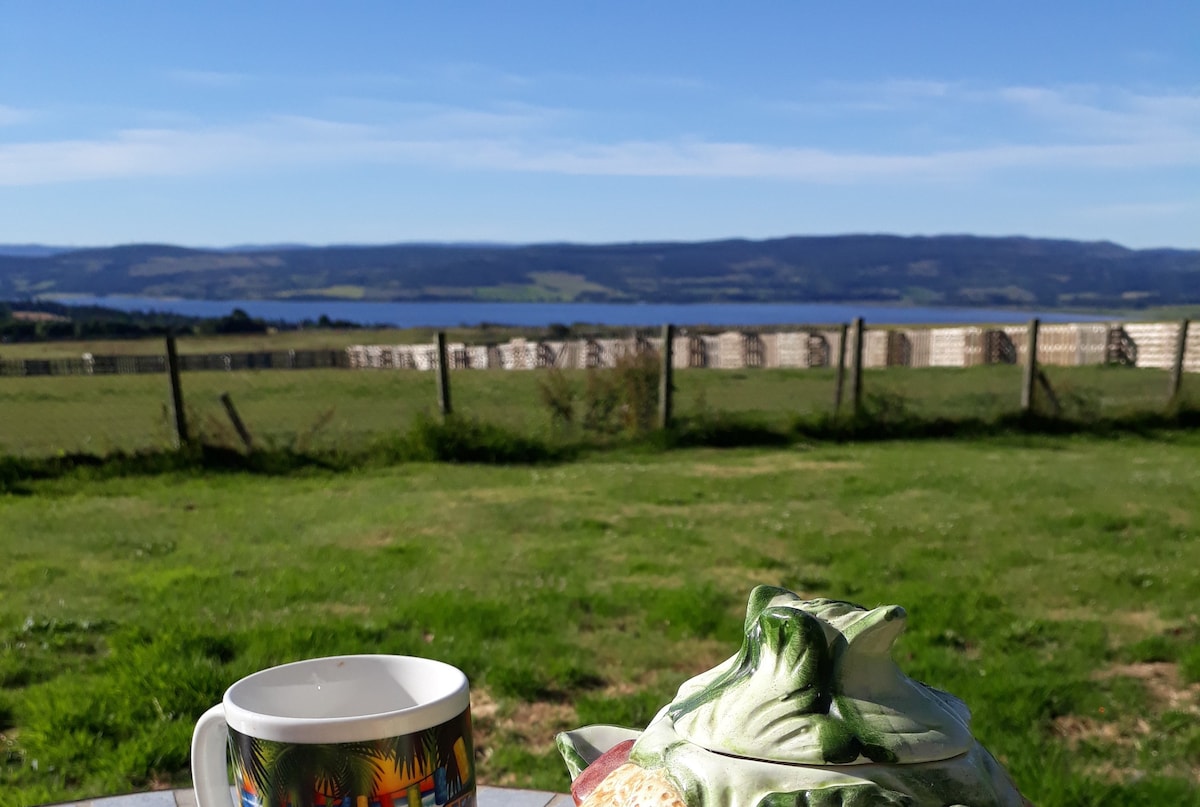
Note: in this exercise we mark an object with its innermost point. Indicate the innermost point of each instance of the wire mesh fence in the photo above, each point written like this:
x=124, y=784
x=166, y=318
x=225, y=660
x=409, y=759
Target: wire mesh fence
x=344, y=398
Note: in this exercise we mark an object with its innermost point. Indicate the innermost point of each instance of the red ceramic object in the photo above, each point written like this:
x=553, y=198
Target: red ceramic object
x=599, y=770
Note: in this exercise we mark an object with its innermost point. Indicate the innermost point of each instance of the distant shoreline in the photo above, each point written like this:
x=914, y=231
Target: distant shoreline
x=473, y=314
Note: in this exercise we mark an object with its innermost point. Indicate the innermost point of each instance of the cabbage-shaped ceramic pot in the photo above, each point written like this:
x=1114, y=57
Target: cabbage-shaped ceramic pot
x=811, y=712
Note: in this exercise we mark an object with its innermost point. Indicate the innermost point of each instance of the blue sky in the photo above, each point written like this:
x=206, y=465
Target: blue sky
x=221, y=123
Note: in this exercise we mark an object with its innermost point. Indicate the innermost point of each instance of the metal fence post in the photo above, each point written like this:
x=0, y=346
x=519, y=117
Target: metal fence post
x=856, y=376
x=1177, y=367
x=665, y=379
x=840, y=381
x=238, y=424
x=443, y=375
x=180, y=415
x=1031, y=368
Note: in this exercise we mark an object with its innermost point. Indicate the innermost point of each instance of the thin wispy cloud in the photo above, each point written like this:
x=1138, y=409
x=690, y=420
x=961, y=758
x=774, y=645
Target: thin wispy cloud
x=474, y=74
x=11, y=116
x=1084, y=129
x=456, y=120
x=1090, y=113
x=1140, y=210
x=1082, y=111
x=887, y=95
x=308, y=142
x=664, y=82
x=208, y=78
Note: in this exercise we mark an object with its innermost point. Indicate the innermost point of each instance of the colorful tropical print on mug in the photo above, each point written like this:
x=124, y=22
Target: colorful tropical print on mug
x=431, y=768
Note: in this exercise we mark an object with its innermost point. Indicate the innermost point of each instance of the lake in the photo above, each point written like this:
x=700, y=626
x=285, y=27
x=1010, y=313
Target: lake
x=445, y=315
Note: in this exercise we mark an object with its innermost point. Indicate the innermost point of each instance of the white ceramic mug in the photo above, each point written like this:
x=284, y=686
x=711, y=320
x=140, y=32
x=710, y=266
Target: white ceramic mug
x=343, y=731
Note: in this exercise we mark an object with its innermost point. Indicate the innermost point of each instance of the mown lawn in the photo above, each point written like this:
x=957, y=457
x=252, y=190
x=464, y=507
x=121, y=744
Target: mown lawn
x=1052, y=583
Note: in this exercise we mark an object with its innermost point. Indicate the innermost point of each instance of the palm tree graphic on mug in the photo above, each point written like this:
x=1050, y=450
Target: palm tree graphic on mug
x=433, y=767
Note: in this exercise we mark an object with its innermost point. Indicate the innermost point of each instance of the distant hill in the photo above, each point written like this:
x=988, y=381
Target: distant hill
x=940, y=270
x=32, y=250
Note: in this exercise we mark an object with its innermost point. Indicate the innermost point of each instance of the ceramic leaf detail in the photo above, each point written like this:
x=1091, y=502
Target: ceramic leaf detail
x=814, y=683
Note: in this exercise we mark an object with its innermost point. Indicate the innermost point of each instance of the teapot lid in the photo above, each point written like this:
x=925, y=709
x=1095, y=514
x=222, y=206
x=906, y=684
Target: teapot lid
x=814, y=684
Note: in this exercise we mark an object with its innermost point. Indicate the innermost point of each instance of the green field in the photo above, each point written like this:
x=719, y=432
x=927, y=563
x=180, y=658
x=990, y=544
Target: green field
x=1052, y=583
x=347, y=409
x=305, y=339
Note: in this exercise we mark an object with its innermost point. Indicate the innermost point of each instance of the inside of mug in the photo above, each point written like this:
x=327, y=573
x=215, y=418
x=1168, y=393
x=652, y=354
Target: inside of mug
x=346, y=686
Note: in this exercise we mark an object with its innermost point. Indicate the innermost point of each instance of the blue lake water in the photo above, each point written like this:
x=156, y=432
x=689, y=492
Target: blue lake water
x=445, y=315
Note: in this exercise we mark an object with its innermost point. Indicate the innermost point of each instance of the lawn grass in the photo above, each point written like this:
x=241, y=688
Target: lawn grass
x=1052, y=583
x=337, y=409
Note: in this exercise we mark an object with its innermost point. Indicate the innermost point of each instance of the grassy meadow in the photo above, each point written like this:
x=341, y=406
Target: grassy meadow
x=1052, y=583
x=337, y=409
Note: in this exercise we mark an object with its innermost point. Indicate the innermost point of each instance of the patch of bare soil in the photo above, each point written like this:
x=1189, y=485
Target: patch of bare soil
x=1163, y=684
x=768, y=464
x=532, y=726
x=1075, y=730
x=374, y=539
x=347, y=609
x=1124, y=625
x=1167, y=692
x=483, y=723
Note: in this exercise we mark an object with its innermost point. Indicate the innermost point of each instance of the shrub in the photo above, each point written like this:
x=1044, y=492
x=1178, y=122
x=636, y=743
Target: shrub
x=458, y=439
x=613, y=400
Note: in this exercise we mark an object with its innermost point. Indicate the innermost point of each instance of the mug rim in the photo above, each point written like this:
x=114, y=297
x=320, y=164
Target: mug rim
x=349, y=728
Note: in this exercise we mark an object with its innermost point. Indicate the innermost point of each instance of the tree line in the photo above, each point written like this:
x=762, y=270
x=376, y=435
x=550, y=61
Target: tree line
x=46, y=321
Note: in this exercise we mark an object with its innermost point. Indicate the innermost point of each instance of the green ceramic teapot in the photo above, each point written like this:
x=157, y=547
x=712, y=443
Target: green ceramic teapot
x=811, y=712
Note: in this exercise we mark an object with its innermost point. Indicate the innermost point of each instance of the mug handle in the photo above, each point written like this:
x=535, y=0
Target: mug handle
x=210, y=772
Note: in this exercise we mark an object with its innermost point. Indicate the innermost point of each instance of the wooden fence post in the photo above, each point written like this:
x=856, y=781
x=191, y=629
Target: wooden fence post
x=1031, y=368
x=665, y=378
x=177, y=410
x=236, y=420
x=443, y=375
x=1177, y=367
x=841, y=372
x=856, y=376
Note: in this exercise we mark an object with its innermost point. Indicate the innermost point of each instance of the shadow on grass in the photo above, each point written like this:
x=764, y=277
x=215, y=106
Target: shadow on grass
x=907, y=427
x=468, y=440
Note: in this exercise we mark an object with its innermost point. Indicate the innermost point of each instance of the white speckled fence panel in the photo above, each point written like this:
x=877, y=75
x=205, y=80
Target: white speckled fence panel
x=875, y=348
x=731, y=351
x=919, y=340
x=477, y=357
x=570, y=354
x=1019, y=336
x=425, y=356
x=614, y=350
x=834, y=340
x=406, y=356
x=611, y=350
x=1156, y=343
x=681, y=347
x=1191, y=359
x=1093, y=339
x=548, y=354
x=508, y=360
x=1071, y=344
x=791, y=348
x=973, y=354
x=1057, y=345
x=770, y=343
x=947, y=347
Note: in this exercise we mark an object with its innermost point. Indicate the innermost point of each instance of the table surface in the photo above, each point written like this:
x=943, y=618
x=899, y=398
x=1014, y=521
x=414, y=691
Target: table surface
x=488, y=797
